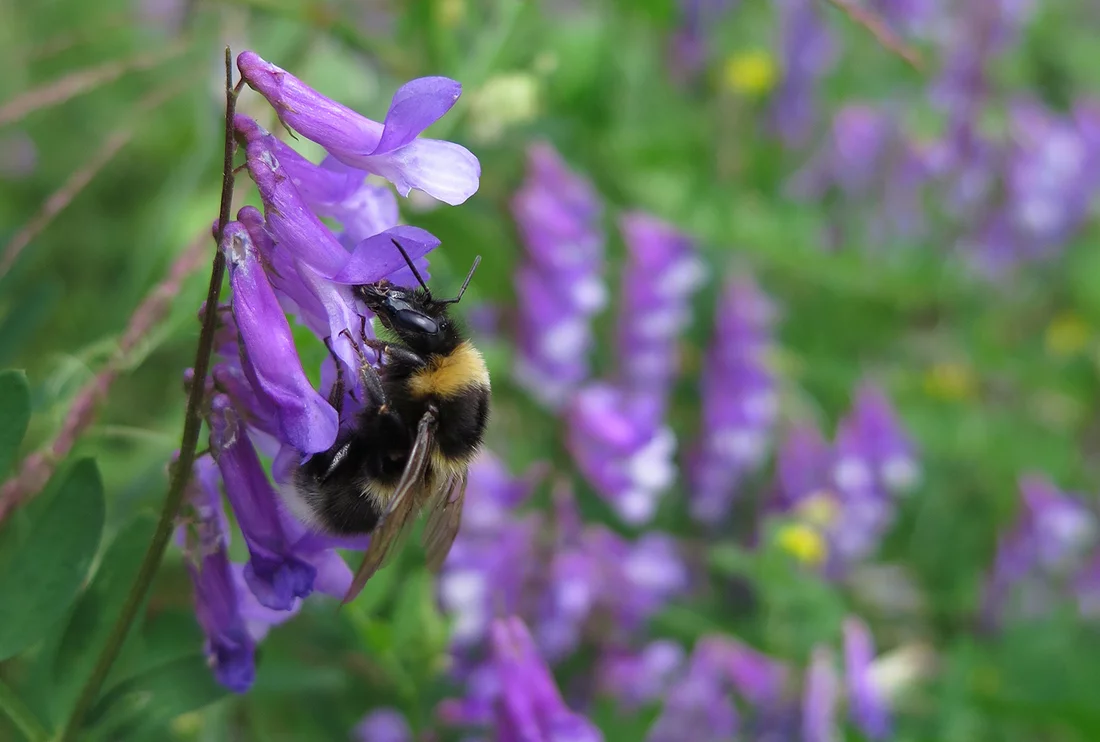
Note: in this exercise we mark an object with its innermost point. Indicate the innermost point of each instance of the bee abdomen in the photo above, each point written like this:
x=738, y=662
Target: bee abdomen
x=462, y=421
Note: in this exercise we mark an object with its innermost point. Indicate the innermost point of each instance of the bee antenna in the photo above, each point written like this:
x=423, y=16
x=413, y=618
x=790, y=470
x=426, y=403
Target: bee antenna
x=465, y=283
x=412, y=267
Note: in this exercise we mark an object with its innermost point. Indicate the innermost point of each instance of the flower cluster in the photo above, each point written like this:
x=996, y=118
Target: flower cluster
x=560, y=284
x=739, y=401
x=285, y=260
x=842, y=495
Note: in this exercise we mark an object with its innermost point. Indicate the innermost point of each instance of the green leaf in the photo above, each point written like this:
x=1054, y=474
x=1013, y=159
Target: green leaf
x=15, y=413
x=45, y=572
x=153, y=698
x=96, y=611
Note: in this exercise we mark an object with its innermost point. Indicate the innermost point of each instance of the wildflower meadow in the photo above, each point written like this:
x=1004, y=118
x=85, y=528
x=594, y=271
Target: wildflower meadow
x=791, y=312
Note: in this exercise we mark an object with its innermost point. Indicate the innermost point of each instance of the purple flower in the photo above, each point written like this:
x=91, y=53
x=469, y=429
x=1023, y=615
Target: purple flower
x=275, y=574
x=305, y=420
x=756, y=677
x=739, y=401
x=559, y=286
x=661, y=274
x=867, y=704
x=1048, y=543
x=688, y=45
x=871, y=444
x=530, y=708
x=492, y=557
x=383, y=725
x=392, y=149
x=231, y=620
x=639, y=677
x=807, y=53
x=698, y=707
x=623, y=450
x=819, y=699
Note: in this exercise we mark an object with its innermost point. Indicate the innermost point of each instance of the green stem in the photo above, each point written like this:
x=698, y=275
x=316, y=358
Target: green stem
x=21, y=716
x=192, y=423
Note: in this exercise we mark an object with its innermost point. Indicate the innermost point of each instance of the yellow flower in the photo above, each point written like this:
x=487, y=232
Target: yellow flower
x=1067, y=334
x=949, y=380
x=750, y=73
x=803, y=541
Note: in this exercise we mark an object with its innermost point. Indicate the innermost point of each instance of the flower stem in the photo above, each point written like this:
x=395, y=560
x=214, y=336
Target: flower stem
x=192, y=423
x=21, y=716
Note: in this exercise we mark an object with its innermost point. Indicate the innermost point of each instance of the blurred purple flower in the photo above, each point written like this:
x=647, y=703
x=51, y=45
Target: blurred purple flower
x=867, y=705
x=913, y=17
x=638, y=677
x=757, y=677
x=820, y=696
x=230, y=618
x=383, y=725
x=661, y=274
x=492, y=558
x=530, y=708
x=739, y=401
x=623, y=450
x=443, y=170
x=560, y=284
x=698, y=706
x=871, y=443
x=688, y=44
x=1048, y=543
x=807, y=52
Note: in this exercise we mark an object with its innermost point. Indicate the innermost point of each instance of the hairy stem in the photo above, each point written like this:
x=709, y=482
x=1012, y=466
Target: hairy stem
x=192, y=423
x=21, y=716
x=882, y=32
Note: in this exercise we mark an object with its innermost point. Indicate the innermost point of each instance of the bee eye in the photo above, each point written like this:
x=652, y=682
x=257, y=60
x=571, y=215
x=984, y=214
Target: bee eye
x=416, y=322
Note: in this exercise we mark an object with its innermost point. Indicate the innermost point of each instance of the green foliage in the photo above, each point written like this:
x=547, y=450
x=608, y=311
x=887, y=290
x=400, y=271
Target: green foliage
x=15, y=413
x=46, y=565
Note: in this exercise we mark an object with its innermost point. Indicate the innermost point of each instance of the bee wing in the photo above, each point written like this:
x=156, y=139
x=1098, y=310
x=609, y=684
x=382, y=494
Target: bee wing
x=402, y=510
x=444, y=518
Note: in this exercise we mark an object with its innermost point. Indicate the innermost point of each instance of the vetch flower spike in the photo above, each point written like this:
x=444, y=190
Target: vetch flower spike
x=866, y=703
x=275, y=575
x=443, y=170
x=306, y=420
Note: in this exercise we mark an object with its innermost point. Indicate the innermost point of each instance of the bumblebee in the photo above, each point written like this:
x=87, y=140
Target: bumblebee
x=423, y=419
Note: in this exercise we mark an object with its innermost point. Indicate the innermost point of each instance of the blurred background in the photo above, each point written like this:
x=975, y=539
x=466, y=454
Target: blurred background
x=892, y=262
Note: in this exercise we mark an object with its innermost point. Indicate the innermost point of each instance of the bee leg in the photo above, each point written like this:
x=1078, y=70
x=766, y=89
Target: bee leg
x=372, y=386
x=336, y=393
x=403, y=356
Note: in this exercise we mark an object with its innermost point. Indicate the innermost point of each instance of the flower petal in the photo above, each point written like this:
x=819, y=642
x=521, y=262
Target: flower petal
x=415, y=106
x=376, y=257
x=444, y=170
x=306, y=420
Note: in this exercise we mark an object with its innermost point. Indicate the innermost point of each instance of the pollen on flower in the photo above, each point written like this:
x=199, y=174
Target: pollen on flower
x=1067, y=335
x=804, y=542
x=750, y=73
x=950, y=380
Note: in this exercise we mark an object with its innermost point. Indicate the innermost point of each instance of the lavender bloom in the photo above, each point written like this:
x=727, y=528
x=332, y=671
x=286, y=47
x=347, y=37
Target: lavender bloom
x=807, y=51
x=491, y=559
x=1051, y=177
x=698, y=707
x=1048, y=542
x=819, y=699
x=443, y=170
x=622, y=449
x=688, y=45
x=661, y=274
x=383, y=725
x=637, y=678
x=867, y=705
x=913, y=17
x=739, y=401
x=559, y=286
x=530, y=708
x=232, y=621
x=756, y=677
x=871, y=443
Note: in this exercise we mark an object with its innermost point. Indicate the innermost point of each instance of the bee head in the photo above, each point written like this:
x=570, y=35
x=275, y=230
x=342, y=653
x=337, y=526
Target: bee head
x=420, y=321
x=411, y=314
